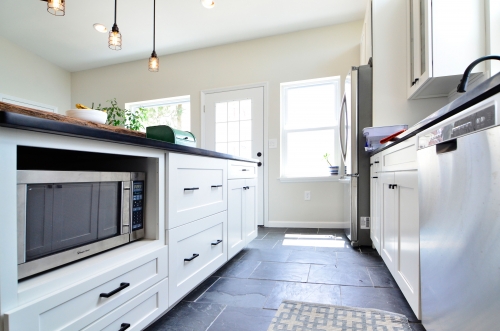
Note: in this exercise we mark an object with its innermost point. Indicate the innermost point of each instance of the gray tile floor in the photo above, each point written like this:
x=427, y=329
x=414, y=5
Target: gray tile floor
x=312, y=265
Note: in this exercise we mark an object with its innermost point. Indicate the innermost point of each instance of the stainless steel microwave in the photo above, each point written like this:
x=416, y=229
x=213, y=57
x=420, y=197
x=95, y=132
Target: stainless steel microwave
x=64, y=216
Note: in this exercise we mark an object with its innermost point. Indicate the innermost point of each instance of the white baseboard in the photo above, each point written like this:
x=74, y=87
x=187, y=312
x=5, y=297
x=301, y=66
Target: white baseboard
x=323, y=225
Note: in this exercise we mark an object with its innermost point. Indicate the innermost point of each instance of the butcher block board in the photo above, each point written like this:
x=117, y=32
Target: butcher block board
x=7, y=107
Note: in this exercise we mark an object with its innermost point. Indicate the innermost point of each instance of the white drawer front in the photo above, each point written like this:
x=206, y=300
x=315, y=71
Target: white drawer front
x=73, y=308
x=197, y=241
x=197, y=188
x=138, y=312
x=403, y=156
x=238, y=169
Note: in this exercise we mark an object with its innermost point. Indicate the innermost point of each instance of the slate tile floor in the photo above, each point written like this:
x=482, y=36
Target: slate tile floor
x=312, y=265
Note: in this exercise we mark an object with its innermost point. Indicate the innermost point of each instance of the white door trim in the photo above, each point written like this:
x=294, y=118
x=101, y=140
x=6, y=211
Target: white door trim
x=265, y=86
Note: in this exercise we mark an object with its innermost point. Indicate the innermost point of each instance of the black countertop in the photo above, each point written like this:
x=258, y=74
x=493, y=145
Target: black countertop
x=483, y=91
x=30, y=123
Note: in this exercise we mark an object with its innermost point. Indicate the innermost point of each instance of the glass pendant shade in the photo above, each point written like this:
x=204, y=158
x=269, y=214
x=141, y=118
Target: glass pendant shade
x=56, y=7
x=154, y=63
x=115, y=39
x=208, y=3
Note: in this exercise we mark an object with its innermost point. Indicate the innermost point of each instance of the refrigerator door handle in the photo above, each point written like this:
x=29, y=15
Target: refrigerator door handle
x=343, y=107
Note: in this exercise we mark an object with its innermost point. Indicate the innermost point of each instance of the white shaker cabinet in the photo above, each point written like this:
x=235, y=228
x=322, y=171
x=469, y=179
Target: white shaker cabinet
x=444, y=37
x=375, y=227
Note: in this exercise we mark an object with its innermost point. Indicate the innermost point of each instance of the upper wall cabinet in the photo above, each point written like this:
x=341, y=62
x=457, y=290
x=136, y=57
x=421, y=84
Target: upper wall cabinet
x=365, y=52
x=444, y=37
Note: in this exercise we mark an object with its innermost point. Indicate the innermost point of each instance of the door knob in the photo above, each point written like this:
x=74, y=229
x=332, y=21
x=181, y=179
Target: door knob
x=259, y=164
x=259, y=154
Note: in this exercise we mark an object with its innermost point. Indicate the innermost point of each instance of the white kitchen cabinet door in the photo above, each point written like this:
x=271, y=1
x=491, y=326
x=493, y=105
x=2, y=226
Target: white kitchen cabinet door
x=375, y=226
x=250, y=210
x=389, y=226
x=236, y=233
x=444, y=37
x=407, y=273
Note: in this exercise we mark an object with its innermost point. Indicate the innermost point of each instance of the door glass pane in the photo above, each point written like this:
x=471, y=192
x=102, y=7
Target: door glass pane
x=220, y=132
x=233, y=131
x=221, y=147
x=245, y=110
x=311, y=106
x=246, y=149
x=305, y=153
x=246, y=130
x=233, y=148
x=221, y=112
x=233, y=111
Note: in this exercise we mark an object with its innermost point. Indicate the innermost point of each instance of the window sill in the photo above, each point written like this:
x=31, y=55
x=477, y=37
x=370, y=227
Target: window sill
x=332, y=178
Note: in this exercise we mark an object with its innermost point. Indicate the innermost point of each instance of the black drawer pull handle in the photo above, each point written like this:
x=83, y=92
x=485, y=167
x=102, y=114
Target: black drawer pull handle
x=245, y=170
x=191, y=188
x=122, y=286
x=214, y=186
x=124, y=326
x=374, y=177
x=216, y=243
x=192, y=258
x=377, y=162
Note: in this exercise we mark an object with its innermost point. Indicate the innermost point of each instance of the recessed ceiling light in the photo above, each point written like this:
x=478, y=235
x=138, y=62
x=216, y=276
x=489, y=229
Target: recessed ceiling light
x=208, y=3
x=100, y=27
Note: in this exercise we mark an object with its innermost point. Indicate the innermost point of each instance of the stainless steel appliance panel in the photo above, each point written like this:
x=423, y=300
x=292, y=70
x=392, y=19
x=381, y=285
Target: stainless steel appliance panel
x=459, y=194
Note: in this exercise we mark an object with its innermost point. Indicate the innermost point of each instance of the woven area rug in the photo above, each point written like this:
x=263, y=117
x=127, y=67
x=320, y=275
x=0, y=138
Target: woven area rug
x=303, y=316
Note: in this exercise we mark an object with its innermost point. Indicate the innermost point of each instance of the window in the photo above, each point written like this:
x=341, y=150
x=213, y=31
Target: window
x=174, y=112
x=309, y=127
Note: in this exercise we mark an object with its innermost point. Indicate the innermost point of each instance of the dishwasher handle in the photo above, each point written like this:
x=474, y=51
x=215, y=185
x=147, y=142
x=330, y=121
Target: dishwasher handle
x=446, y=147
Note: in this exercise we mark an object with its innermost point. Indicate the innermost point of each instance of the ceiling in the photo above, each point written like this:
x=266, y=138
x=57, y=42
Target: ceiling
x=72, y=43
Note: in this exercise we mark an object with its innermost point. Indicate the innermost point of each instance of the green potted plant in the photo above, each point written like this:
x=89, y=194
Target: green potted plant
x=334, y=170
x=132, y=120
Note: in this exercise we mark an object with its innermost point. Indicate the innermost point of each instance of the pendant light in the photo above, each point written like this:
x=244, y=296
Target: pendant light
x=208, y=3
x=115, y=37
x=56, y=7
x=154, y=62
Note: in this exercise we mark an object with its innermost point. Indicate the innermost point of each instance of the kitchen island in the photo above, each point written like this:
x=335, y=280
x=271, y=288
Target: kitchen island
x=177, y=226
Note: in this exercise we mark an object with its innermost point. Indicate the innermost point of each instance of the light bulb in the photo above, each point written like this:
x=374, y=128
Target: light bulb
x=154, y=63
x=115, y=39
x=56, y=7
x=208, y=3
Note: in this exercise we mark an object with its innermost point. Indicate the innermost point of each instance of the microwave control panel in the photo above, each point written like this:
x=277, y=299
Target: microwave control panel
x=137, y=205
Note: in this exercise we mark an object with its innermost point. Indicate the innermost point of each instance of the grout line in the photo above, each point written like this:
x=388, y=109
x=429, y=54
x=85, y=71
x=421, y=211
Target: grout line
x=368, y=272
x=225, y=306
x=207, y=289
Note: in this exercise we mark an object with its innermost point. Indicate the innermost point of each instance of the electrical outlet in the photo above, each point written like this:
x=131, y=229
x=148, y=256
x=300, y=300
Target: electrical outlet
x=307, y=195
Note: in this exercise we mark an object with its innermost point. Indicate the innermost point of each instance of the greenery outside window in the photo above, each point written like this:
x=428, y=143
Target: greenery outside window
x=174, y=112
x=309, y=128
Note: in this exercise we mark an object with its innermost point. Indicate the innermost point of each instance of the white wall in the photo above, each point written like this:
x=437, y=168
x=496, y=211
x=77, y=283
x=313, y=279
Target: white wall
x=315, y=53
x=390, y=103
x=28, y=76
x=493, y=33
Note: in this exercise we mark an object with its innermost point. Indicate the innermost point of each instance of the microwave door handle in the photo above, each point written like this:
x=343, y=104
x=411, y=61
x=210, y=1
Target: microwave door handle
x=125, y=216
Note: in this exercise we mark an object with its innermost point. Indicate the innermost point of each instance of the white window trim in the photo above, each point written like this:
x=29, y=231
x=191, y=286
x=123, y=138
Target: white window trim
x=158, y=102
x=283, y=141
x=28, y=103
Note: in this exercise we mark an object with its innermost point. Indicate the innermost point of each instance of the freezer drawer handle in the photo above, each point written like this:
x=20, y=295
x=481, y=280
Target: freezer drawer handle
x=191, y=189
x=124, y=326
x=216, y=243
x=122, y=286
x=192, y=258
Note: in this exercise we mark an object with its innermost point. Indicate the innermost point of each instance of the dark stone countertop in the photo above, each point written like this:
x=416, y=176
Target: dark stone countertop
x=483, y=91
x=30, y=123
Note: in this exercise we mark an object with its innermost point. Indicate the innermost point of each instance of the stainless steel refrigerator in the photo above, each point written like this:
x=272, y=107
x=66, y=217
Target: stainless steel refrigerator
x=356, y=114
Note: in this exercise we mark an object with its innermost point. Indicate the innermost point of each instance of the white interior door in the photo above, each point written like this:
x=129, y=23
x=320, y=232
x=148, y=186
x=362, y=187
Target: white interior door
x=234, y=124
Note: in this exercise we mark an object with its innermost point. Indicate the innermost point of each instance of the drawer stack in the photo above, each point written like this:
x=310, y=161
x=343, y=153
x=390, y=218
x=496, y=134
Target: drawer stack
x=197, y=220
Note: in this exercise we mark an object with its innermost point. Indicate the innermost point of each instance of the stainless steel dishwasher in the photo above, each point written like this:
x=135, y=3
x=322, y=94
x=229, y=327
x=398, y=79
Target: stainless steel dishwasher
x=459, y=194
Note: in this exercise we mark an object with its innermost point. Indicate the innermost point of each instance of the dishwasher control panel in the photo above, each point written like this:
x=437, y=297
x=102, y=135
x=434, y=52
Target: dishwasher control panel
x=479, y=120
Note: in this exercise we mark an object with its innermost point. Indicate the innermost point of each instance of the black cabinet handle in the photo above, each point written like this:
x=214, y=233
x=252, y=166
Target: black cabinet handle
x=394, y=186
x=374, y=177
x=377, y=162
x=259, y=154
x=216, y=243
x=213, y=186
x=390, y=186
x=191, y=188
x=246, y=187
x=245, y=170
x=122, y=286
x=192, y=257
x=124, y=326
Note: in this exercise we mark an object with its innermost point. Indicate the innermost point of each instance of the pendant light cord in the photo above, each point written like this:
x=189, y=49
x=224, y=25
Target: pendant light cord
x=115, y=10
x=154, y=24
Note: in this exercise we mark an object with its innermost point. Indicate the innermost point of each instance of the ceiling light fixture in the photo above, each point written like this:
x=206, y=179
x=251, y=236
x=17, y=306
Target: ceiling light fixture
x=56, y=7
x=100, y=28
x=154, y=62
x=115, y=37
x=208, y=3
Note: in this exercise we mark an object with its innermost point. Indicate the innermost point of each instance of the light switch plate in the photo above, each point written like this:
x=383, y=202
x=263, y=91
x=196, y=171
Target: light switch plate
x=273, y=143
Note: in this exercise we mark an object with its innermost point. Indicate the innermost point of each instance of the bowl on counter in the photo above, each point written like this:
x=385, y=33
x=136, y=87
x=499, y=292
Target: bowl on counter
x=91, y=115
